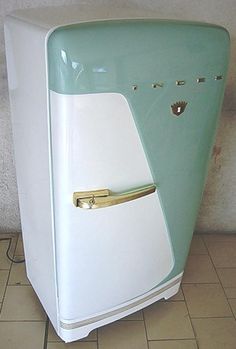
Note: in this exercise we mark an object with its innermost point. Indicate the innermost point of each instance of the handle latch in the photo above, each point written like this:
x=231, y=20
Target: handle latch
x=104, y=197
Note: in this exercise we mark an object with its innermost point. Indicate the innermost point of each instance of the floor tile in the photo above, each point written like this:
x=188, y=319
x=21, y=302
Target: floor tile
x=21, y=303
x=206, y=300
x=3, y=282
x=18, y=275
x=4, y=261
x=232, y=303
x=74, y=345
x=168, y=320
x=197, y=246
x=222, y=252
x=138, y=315
x=123, y=335
x=199, y=269
x=230, y=292
x=53, y=337
x=227, y=276
x=179, y=344
x=22, y=335
x=217, y=333
x=218, y=237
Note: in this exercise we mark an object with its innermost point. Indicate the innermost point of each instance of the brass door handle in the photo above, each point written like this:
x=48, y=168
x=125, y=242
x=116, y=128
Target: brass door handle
x=104, y=197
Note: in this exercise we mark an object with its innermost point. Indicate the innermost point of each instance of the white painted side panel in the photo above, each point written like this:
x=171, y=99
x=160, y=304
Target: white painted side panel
x=106, y=256
x=28, y=98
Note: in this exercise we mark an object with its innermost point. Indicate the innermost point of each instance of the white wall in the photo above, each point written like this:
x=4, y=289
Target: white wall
x=218, y=207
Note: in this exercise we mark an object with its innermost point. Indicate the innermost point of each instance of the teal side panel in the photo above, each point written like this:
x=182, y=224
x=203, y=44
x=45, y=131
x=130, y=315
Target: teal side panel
x=113, y=56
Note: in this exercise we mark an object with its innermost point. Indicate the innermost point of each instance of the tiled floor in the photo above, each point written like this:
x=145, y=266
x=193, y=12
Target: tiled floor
x=202, y=315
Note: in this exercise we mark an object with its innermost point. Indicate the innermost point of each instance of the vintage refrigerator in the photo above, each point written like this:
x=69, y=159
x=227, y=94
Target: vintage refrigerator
x=114, y=114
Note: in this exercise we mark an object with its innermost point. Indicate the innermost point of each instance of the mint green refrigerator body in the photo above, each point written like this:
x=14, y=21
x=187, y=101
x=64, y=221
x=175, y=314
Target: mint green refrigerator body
x=120, y=117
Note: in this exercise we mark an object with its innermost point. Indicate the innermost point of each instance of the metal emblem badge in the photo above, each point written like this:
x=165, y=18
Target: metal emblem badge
x=178, y=107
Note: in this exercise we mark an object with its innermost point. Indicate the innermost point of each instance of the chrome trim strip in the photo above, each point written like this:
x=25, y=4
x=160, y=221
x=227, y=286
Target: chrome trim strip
x=199, y=80
x=180, y=82
x=66, y=326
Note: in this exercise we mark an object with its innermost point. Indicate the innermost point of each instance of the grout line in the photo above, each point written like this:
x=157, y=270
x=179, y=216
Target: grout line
x=9, y=272
x=193, y=329
x=19, y=320
x=27, y=285
x=19, y=284
x=128, y=320
x=91, y=340
x=225, y=267
x=145, y=328
x=190, y=318
x=200, y=283
x=212, y=317
x=172, y=339
x=220, y=281
x=198, y=254
x=213, y=233
x=45, y=343
x=98, y=337
x=21, y=254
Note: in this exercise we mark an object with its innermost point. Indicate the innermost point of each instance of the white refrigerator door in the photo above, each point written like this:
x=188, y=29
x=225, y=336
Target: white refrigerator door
x=105, y=256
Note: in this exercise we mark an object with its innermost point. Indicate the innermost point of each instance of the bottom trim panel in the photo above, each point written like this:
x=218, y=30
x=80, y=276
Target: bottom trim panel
x=122, y=309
